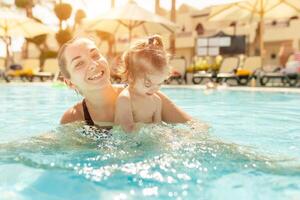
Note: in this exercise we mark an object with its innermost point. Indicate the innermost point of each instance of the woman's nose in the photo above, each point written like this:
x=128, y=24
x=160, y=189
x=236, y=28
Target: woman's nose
x=93, y=65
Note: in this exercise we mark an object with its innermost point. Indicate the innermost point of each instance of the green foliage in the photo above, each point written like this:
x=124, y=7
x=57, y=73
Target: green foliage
x=62, y=36
x=63, y=11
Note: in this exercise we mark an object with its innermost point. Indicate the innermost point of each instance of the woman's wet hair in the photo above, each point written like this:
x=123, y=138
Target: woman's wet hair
x=62, y=63
x=143, y=56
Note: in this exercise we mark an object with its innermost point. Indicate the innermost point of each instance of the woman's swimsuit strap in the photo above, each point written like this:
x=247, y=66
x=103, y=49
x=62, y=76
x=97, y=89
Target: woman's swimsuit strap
x=87, y=117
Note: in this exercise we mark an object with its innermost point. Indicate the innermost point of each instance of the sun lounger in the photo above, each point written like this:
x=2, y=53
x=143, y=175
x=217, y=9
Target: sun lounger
x=227, y=69
x=50, y=70
x=290, y=79
x=226, y=72
x=203, y=65
x=249, y=70
x=284, y=75
x=178, y=70
x=29, y=67
x=201, y=75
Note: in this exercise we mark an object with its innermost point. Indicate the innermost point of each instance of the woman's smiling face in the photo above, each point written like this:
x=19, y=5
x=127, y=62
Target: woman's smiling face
x=87, y=67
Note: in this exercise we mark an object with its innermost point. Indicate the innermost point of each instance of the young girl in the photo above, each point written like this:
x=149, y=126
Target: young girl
x=146, y=68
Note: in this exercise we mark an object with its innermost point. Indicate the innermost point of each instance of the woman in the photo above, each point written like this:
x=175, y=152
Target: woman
x=86, y=71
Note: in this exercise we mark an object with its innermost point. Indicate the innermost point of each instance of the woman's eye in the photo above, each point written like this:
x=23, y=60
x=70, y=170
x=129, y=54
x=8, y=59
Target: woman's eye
x=79, y=64
x=96, y=57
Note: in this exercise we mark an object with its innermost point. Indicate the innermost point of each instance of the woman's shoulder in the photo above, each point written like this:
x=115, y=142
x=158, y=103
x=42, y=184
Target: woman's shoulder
x=73, y=114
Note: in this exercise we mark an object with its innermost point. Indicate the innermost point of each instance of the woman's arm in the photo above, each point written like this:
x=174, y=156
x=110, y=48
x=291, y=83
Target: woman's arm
x=170, y=112
x=72, y=114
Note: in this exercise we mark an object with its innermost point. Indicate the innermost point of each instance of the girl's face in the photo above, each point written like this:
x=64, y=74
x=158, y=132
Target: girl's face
x=149, y=83
x=87, y=67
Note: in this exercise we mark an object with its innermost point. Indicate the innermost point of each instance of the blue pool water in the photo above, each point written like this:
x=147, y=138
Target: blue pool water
x=250, y=151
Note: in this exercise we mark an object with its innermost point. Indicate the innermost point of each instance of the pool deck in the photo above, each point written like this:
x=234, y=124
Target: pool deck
x=238, y=88
x=200, y=87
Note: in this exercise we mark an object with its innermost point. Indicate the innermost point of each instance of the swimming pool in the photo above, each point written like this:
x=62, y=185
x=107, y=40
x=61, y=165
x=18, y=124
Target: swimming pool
x=251, y=150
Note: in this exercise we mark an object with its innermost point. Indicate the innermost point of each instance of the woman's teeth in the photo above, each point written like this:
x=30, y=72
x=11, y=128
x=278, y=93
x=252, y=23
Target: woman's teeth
x=97, y=76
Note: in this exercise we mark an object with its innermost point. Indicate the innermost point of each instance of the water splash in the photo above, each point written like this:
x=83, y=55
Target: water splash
x=178, y=157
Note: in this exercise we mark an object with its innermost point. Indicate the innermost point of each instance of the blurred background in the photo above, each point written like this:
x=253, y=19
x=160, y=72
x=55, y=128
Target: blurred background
x=199, y=34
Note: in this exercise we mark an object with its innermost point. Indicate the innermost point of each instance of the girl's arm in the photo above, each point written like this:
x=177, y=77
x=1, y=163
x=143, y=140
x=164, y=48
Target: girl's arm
x=170, y=112
x=123, y=113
